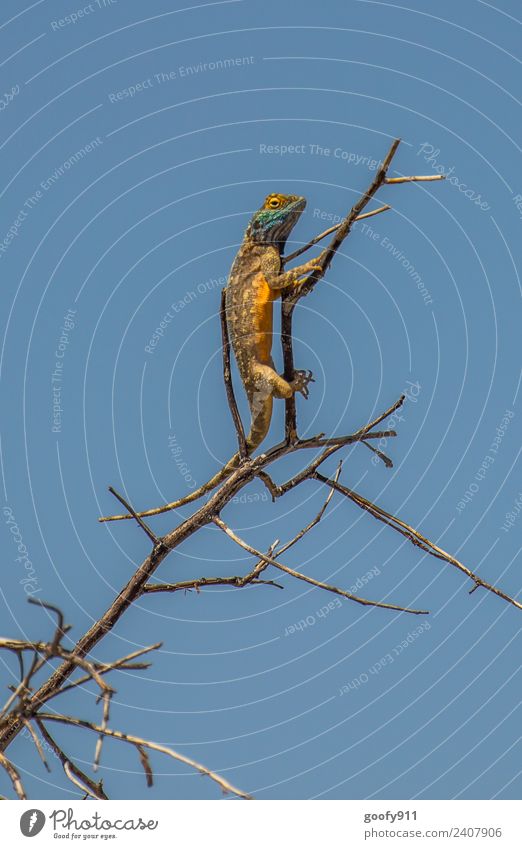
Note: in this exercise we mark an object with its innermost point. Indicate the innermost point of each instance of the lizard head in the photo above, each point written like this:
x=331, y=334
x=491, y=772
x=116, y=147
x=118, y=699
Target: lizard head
x=271, y=225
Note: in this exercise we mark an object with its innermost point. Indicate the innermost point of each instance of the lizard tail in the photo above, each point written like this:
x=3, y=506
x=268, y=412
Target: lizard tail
x=258, y=430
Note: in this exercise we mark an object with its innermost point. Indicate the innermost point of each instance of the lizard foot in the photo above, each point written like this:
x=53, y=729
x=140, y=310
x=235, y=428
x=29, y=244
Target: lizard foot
x=317, y=263
x=301, y=380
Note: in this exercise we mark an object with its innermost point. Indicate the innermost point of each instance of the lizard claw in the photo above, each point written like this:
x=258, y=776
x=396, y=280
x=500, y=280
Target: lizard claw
x=301, y=380
x=317, y=263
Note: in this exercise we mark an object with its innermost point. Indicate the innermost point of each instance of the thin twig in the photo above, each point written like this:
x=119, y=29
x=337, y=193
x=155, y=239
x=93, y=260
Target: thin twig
x=323, y=442
x=143, y=525
x=187, y=586
x=104, y=668
x=61, y=627
x=230, y=533
x=99, y=669
x=380, y=454
x=419, y=179
x=105, y=722
x=380, y=418
x=145, y=762
x=315, y=521
x=344, y=228
x=42, y=653
x=291, y=297
x=414, y=536
x=72, y=771
x=235, y=580
x=36, y=740
x=227, y=377
x=68, y=768
x=326, y=233
x=147, y=744
x=13, y=774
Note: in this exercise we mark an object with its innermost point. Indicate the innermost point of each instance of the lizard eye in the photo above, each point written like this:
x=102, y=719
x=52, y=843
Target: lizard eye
x=274, y=203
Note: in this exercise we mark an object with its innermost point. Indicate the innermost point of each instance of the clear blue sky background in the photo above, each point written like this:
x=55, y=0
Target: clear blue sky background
x=152, y=215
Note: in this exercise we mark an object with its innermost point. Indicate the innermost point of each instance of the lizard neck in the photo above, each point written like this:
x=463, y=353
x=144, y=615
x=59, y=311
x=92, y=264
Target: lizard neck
x=258, y=239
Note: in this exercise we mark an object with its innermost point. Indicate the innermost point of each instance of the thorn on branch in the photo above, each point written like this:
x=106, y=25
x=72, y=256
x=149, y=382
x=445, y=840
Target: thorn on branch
x=36, y=742
x=386, y=460
x=61, y=627
x=145, y=762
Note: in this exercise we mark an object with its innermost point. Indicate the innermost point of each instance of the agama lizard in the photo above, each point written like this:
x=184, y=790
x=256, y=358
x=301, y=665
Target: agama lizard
x=256, y=280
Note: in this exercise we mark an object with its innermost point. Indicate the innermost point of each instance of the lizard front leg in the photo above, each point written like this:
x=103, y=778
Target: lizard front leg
x=282, y=280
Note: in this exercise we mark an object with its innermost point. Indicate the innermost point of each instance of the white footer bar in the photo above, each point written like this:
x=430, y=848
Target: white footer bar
x=262, y=824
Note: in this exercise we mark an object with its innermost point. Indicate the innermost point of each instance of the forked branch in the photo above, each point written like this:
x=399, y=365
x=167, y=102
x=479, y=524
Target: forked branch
x=26, y=702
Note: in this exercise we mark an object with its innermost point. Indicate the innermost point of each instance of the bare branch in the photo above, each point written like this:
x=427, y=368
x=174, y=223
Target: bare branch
x=73, y=772
x=187, y=586
x=13, y=775
x=227, y=377
x=104, y=668
x=30, y=703
x=326, y=233
x=145, y=762
x=414, y=536
x=235, y=581
x=22, y=645
x=380, y=454
x=230, y=533
x=380, y=418
x=36, y=740
x=105, y=721
x=133, y=515
x=315, y=521
x=146, y=744
x=71, y=775
x=89, y=667
x=343, y=230
x=42, y=653
x=422, y=179
x=61, y=627
x=291, y=297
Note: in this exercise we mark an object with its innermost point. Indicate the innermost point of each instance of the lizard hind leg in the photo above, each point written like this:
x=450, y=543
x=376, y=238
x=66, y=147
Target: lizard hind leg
x=260, y=400
x=267, y=385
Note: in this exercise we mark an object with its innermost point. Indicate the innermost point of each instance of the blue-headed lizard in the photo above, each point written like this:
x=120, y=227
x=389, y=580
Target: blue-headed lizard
x=256, y=280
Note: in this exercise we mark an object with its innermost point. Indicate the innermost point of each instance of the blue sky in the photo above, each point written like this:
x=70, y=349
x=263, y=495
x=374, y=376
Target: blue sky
x=136, y=143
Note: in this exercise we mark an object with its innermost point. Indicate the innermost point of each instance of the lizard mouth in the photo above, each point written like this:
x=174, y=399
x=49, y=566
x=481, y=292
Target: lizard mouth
x=299, y=203
x=292, y=214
